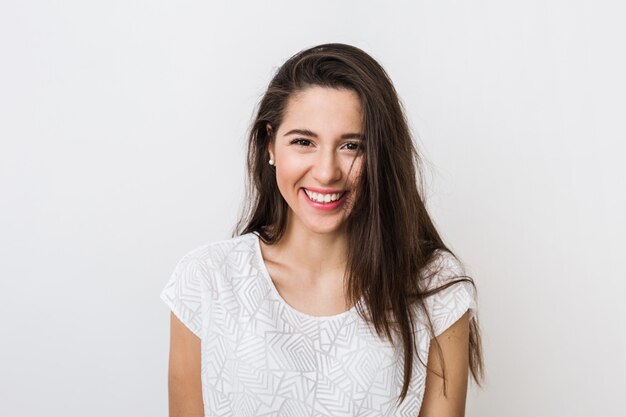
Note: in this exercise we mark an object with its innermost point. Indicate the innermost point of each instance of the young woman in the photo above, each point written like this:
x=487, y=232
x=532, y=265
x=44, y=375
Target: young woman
x=336, y=295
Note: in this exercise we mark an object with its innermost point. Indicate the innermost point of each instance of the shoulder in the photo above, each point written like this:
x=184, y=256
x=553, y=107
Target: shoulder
x=202, y=270
x=443, y=266
x=195, y=281
x=216, y=253
x=448, y=291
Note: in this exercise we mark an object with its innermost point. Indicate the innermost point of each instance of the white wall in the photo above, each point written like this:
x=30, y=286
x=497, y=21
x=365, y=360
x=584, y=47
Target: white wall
x=122, y=128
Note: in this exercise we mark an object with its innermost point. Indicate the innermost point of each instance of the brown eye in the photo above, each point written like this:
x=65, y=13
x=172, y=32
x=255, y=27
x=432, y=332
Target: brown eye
x=299, y=142
x=355, y=146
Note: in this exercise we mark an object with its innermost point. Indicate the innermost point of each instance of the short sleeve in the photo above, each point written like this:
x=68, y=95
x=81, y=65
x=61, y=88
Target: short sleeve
x=183, y=291
x=447, y=306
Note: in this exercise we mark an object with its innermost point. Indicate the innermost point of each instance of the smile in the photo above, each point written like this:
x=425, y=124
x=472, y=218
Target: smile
x=323, y=198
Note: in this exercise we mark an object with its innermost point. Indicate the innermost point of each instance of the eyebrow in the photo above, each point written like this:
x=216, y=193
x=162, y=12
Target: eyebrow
x=307, y=132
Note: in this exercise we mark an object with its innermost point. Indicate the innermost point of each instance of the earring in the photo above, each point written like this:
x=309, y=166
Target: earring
x=271, y=160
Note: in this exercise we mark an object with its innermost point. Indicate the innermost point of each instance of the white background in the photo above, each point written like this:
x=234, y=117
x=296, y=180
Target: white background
x=123, y=127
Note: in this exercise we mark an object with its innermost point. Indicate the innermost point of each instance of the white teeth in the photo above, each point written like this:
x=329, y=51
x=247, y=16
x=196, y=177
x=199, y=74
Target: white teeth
x=323, y=198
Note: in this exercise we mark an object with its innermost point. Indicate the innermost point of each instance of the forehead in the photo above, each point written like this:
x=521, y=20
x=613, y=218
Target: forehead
x=323, y=110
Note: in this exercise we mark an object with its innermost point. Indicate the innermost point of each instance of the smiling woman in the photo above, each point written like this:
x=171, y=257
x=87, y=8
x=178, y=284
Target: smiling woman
x=336, y=295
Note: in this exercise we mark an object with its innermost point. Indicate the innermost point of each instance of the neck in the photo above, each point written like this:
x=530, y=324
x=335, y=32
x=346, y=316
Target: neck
x=321, y=254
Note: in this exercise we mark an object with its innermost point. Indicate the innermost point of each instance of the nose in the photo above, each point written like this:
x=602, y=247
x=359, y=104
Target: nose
x=327, y=167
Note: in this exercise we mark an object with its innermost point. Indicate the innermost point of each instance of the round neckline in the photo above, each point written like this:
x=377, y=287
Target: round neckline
x=265, y=272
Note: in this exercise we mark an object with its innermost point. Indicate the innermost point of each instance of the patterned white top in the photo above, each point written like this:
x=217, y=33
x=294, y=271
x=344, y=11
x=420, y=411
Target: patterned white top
x=262, y=357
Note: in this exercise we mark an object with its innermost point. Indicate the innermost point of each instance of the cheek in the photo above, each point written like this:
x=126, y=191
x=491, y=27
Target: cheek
x=288, y=172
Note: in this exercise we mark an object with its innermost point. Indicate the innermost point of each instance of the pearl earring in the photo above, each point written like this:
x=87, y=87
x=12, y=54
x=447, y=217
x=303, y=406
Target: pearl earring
x=271, y=161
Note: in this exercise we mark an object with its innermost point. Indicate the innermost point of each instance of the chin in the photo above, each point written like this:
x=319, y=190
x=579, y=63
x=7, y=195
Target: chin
x=319, y=224
x=326, y=229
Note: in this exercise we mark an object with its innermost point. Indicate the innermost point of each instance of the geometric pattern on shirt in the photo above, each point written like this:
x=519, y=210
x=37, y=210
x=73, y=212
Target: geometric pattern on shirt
x=262, y=357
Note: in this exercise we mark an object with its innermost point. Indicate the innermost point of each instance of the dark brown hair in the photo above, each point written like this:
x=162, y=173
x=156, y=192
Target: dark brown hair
x=389, y=221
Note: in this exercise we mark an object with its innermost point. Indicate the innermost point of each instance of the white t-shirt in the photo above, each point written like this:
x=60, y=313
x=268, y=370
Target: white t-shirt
x=262, y=357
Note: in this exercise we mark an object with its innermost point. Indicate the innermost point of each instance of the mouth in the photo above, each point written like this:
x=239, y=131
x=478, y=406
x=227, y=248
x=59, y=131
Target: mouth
x=324, y=198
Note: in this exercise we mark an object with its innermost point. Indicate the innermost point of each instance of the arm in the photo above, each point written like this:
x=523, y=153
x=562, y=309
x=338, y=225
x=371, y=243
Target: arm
x=454, y=343
x=184, y=380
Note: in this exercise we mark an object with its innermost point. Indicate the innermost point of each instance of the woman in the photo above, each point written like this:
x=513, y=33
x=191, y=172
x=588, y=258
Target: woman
x=336, y=296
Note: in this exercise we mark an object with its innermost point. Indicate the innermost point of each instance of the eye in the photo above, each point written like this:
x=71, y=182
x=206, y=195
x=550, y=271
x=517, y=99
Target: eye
x=355, y=146
x=299, y=142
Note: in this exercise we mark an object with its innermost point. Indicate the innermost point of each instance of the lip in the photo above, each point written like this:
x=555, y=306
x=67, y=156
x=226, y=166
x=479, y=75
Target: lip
x=324, y=206
x=324, y=191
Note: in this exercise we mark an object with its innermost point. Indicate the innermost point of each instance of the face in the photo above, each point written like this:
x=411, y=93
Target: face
x=315, y=157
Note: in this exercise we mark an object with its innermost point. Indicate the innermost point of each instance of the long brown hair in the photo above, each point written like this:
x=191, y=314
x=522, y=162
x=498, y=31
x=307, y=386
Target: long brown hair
x=389, y=221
